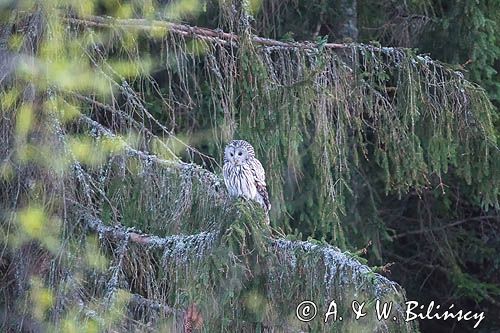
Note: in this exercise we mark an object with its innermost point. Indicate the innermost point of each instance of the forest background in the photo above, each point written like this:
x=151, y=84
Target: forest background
x=376, y=121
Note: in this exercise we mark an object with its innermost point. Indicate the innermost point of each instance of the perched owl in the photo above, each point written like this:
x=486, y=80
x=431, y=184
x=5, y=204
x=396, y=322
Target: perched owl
x=243, y=173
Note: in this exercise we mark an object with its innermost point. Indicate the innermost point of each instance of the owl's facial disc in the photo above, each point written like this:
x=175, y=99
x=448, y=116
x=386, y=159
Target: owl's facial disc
x=237, y=155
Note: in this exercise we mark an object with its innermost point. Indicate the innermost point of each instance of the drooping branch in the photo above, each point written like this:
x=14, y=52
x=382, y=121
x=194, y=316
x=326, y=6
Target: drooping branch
x=334, y=259
x=122, y=114
x=202, y=174
x=218, y=36
x=326, y=265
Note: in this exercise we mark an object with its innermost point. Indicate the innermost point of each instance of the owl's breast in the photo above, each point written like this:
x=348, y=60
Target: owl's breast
x=240, y=181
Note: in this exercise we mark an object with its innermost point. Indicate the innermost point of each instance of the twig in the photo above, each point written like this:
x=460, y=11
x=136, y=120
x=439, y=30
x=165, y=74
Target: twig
x=137, y=301
x=444, y=271
x=453, y=224
x=140, y=301
x=114, y=280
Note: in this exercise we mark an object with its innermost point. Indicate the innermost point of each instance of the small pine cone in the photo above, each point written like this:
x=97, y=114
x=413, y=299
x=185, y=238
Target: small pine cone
x=188, y=325
x=192, y=319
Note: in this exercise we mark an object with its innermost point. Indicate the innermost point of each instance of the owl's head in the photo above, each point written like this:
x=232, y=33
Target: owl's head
x=238, y=151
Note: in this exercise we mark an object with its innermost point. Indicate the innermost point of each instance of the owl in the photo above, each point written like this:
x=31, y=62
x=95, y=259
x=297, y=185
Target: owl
x=243, y=173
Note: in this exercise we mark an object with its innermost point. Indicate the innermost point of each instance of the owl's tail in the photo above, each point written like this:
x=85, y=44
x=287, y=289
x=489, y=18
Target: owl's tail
x=262, y=190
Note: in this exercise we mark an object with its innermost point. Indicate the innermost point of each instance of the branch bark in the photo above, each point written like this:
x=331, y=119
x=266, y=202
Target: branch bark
x=121, y=233
x=217, y=36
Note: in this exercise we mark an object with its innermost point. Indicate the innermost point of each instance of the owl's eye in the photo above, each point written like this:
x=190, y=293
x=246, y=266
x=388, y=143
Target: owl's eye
x=239, y=153
x=231, y=154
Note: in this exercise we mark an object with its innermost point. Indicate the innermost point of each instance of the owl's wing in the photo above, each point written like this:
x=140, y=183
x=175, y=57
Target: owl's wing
x=260, y=182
